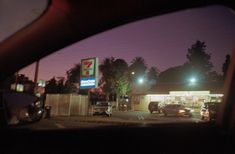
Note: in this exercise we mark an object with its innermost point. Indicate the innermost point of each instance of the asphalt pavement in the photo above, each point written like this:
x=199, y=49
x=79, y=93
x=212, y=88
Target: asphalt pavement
x=118, y=118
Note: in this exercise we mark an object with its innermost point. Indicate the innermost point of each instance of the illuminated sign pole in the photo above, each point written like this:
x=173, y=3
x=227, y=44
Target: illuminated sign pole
x=89, y=75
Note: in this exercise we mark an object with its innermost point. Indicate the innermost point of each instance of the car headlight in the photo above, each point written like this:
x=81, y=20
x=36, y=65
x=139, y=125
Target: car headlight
x=201, y=113
x=37, y=103
x=40, y=111
x=181, y=111
x=189, y=109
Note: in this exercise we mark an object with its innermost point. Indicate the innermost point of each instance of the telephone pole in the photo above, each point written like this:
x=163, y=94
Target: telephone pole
x=36, y=72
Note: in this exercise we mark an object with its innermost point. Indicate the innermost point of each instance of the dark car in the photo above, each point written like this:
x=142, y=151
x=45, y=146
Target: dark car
x=177, y=110
x=22, y=107
x=154, y=106
x=209, y=110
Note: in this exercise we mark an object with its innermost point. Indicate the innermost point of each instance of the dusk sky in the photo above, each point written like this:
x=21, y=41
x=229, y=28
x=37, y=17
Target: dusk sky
x=162, y=41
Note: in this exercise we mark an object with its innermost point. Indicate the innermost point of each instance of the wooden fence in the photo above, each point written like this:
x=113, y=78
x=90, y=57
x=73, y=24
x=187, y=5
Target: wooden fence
x=67, y=104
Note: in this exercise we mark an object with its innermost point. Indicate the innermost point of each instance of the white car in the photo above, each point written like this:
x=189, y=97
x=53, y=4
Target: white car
x=102, y=108
x=209, y=110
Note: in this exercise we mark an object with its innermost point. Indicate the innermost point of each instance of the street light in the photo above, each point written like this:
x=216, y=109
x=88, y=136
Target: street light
x=132, y=73
x=192, y=81
x=141, y=80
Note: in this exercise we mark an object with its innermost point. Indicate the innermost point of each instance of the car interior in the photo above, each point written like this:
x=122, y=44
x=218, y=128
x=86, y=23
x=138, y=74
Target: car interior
x=65, y=22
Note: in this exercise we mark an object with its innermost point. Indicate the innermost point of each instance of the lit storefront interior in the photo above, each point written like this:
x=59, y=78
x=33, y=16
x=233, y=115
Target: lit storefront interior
x=187, y=98
x=177, y=95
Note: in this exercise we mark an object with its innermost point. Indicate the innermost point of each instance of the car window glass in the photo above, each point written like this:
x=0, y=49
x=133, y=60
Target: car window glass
x=141, y=62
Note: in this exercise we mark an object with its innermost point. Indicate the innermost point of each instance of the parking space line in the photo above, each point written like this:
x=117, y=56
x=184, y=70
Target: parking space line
x=140, y=117
x=59, y=125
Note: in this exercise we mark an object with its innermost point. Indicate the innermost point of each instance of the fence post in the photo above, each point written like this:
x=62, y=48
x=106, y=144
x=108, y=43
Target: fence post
x=57, y=104
x=70, y=98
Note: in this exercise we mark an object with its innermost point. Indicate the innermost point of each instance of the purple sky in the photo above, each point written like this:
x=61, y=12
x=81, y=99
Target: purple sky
x=162, y=41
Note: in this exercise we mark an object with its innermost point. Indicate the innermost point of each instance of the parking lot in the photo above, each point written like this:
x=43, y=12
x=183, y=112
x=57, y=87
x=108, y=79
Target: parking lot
x=119, y=118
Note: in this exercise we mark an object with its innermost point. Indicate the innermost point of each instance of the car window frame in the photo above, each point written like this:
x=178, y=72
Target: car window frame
x=229, y=80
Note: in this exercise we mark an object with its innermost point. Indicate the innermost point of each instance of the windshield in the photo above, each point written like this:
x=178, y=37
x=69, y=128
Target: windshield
x=179, y=58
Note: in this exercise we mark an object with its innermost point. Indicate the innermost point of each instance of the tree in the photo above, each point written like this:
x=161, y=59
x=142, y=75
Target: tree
x=60, y=85
x=122, y=85
x=115, y=77
x=137, y=72
x=51, y=86
x=73, y=79
x=22, y=79
x=214, y=76
x=121, y=67
x=225, y=65
x=199, y=60
x=70, y=88
x=73, y=75
x=108, y=70
x=138, y=67
x=54, y=86
x=177, y=74
x=112, y=70
x=152, y=75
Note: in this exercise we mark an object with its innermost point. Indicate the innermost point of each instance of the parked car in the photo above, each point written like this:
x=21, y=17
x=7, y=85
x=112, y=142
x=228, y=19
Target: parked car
x=35, y=111
x=209, y=110
x=154, y=106
x=102, y=108
x=22, y=107
x=123, y=107
x=177, y=110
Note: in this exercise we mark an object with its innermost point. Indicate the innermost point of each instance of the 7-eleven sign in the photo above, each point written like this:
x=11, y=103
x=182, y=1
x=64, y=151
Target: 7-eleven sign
x=88, y=67
x=89, y=72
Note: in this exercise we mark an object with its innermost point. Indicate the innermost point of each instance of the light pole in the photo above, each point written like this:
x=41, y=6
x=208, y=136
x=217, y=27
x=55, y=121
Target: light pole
x=192, y=82
x=16, y=80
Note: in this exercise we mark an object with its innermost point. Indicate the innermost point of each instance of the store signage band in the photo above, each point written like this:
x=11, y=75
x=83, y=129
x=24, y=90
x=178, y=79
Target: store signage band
x=88, y=83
